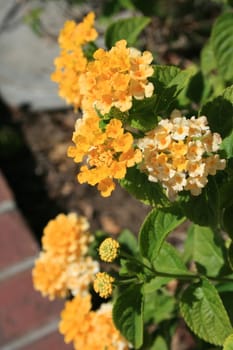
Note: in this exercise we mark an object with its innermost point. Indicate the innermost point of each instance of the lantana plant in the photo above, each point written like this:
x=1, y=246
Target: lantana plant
x=168, y=141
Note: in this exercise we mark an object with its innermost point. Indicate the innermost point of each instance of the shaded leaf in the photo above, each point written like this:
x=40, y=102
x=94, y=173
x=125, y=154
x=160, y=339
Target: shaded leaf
x=219, y=112
x=204, y=209
x=128, y=241
x=127, y=315
x=128, y=29
x=227, y=220
x=137, y=184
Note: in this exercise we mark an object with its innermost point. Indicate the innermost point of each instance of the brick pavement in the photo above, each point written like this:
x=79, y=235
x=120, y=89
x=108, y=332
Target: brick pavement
x=27, y=321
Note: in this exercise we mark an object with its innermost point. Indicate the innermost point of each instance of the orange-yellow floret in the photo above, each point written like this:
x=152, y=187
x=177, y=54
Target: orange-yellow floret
x=67, y=236
x=109, y=249
x=49, y=276
x=106, y=154
x=115, y=77
x=89, y=329
x=103, y=284
x=180, y=154
x=72, y=62
x=63, y=266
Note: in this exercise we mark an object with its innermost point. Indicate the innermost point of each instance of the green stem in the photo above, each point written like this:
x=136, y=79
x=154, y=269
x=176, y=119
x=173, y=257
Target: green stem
x=185, y=276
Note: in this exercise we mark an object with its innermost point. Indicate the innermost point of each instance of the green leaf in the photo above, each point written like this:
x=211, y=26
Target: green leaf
x=204, y=209
x=227, y=220
x=203, y=311
x=166, y=99
x=158, y=307
x=213, y=83
x=208, y=61
x=128, y=29
x=160, y=344
x=222, y=42
x=168, y=82
x=228, y=94
x=225, y=291
x=169, y=260
x=128, y=241
x=141, y=116
x=230, y=255
x=219, y=112
x=155, y=283
x=137, y=184
x=188, y=245
x=228, y=343
x=158, y=224
x=33, y=20
x=209, y=252
x=127, y=315
x=227, y=145
x=163, y=75
x=225, y=193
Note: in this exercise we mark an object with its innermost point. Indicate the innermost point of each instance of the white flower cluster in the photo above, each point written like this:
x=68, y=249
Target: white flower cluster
x=180, y=153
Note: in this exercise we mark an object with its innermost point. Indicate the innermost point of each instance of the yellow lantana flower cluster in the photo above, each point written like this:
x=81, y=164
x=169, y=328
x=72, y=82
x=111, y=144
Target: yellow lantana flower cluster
x=180, y=153
x=90, y=329
x=72, y=62
x=109, y=250
x=103, y=284
x=107, y=153
x=114, y=77
x=111, y=79
x=63, y=265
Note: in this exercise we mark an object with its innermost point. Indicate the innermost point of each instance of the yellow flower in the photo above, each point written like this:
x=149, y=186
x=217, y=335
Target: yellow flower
x=76, y=319
x=88, y=329
x=103, y=284
x=180, y=154
x=72, y=62
x=49, y=276
x=109, y=249
x=115, y=77
x=67, y=236
x=107, y=154
x=74, y=35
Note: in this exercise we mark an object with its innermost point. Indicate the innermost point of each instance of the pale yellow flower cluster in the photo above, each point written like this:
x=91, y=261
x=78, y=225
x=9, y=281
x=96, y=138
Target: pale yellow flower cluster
x=72, y=62
x=114, y=77
x=180, y=153
x=63, y=266
x=90, y=329
x=107, y=153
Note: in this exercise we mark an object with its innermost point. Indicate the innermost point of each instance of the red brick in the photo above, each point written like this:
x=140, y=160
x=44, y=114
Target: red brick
x=16, y=240
x=52, y=341
x=5, y=192
x=22, y=308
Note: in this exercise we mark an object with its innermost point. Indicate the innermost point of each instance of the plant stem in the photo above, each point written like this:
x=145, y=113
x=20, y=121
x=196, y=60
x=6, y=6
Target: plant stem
x=185, y=276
